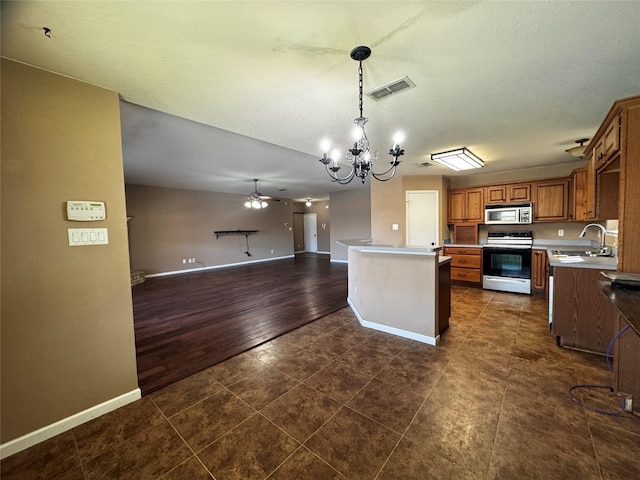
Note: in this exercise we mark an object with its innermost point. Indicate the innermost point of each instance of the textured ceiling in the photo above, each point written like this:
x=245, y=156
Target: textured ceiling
x=516, y=82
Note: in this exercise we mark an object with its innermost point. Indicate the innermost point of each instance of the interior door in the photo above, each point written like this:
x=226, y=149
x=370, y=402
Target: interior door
x=310, y=233
x=422, y=217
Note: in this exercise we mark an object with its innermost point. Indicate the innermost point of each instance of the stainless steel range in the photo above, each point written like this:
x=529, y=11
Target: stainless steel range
x=506, y=261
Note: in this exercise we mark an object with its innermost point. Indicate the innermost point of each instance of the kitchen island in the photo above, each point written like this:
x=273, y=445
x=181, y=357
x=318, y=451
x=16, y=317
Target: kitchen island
x=396, y=289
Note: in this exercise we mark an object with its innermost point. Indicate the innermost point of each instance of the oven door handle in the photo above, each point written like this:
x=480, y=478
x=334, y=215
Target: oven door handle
x=507, y=279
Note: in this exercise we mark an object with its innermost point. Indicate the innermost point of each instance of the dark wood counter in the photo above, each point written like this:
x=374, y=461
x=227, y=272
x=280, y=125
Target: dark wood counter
x=626, y=350
x=626, y=301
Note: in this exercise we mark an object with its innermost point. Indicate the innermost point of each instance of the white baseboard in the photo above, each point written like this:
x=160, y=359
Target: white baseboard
x=200, y=269
x=339, y=261
x=393, y=330
x=45, y=433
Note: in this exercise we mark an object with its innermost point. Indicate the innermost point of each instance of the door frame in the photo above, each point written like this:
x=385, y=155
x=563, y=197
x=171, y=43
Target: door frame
x=437, y=213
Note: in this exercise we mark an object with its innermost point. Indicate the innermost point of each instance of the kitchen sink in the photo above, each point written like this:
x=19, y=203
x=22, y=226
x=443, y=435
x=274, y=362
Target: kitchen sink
x=576, y=253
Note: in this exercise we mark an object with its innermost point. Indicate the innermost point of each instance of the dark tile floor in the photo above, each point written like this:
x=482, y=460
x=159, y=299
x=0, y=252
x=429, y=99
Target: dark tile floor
x=333, y=400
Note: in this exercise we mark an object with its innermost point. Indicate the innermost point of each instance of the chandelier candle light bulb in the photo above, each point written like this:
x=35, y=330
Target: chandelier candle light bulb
x=360, y=158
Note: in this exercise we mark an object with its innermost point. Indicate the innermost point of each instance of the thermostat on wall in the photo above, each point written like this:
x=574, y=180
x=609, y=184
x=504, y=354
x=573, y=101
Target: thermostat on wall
x=85, y=211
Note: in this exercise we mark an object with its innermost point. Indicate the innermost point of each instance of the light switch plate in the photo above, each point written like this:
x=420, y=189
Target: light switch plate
x=88, y=236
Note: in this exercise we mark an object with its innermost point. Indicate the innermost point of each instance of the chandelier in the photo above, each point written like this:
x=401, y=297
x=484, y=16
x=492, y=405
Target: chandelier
x=360, y=158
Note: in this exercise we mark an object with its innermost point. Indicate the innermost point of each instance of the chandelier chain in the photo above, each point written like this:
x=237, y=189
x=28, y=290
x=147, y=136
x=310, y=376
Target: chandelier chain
x=360, y=86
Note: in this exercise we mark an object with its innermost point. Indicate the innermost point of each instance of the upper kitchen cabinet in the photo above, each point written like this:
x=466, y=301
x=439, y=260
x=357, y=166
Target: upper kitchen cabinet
x=608, y=144
x=466, y=205
x=512, y=193
x=615, y=148
x=580, y=197
x=551, y=200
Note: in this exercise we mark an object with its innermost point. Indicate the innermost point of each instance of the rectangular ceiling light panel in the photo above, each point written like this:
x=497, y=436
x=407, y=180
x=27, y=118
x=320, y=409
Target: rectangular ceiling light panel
x=459, y=159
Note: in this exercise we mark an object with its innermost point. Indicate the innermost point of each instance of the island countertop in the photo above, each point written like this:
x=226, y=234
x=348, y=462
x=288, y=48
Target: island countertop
x=369, y=246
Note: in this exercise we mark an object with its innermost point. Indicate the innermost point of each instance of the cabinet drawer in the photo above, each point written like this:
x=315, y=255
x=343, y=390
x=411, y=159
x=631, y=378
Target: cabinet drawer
x=451, y=251
x=466, y=261
x=465, y=274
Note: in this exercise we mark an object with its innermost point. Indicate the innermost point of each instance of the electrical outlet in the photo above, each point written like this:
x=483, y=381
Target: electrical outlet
x=193, y=260
x=272, y=250
x=560, y=232
x=628, y=403
x=184, y=260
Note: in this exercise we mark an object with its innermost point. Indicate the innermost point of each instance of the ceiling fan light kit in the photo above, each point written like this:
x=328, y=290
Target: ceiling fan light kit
x=458, y=159
x=360, y=158
x=256, y=199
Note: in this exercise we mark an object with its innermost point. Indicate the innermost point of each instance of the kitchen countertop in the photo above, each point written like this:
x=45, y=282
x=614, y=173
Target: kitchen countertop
x=626, y=301
x=368, y=246
x=602, y=263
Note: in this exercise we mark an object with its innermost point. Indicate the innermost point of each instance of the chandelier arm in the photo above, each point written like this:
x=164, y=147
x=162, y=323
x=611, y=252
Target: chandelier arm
x=378, y=176
x=343, y=180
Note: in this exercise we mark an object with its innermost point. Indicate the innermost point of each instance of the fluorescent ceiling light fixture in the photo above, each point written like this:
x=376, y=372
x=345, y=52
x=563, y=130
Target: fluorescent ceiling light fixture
x=459, y=159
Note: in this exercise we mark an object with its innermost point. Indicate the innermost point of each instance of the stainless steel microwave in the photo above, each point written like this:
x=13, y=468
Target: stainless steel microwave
x=513, y=214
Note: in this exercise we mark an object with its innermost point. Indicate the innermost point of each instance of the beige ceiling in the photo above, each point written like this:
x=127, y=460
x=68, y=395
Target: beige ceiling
x=516, y=82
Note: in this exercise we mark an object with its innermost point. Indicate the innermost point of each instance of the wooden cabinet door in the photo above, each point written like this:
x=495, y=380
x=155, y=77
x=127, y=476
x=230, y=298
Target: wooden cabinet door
x=539, y=270
x=456, y=211
x=475, y=205
x=465, y=233
x=582, y=317
x=590, y=193
x=466, y=205
x=579, y=188
x=609, y=144
x=496, y=194
x=520, y=193
x=551, y=200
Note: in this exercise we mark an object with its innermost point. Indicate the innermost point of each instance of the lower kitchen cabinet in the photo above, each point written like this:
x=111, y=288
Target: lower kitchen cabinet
x=539, y=270
x=582, y=318
x=626, y=364
x=466, y=264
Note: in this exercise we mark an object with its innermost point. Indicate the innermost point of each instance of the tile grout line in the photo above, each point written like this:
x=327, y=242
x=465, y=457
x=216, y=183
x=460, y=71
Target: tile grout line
x=183, y=440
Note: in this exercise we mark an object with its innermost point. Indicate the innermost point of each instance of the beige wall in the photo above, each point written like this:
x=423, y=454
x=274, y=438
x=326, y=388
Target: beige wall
x=168, y=225
x=350, y=212
x=67, y=321
x=388, y=206
x=524, y=174
x=547, y=231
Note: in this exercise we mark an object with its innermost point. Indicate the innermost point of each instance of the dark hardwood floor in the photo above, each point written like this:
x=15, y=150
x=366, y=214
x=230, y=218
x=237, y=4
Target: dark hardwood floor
x=186, y=323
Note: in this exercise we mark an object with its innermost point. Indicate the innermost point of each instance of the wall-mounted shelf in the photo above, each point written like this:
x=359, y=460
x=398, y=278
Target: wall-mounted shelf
x=246, y=234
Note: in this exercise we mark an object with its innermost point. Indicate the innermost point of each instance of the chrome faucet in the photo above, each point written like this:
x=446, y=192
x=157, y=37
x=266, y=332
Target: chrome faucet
x=604, y=250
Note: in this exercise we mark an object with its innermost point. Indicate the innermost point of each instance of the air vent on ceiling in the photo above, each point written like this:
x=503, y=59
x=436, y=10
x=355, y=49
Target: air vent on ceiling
x=425, y=164
x=391, y=88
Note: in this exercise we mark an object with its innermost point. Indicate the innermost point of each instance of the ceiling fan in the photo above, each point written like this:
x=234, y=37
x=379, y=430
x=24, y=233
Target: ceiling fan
x=257, y=199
